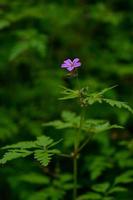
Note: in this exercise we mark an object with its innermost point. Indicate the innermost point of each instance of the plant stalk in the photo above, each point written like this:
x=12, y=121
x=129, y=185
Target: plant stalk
x=75, y=156
x=75, y=172
x=84, y=144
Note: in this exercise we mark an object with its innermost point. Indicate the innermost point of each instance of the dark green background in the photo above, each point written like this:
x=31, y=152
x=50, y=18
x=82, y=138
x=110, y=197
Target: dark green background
x=35, y=37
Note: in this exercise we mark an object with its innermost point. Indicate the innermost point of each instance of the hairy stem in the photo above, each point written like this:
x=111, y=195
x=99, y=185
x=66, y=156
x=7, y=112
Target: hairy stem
x=75, y=155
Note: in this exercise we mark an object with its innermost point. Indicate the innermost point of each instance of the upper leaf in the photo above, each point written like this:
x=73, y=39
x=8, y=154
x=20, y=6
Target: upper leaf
x=118, y=104
x=69, y=93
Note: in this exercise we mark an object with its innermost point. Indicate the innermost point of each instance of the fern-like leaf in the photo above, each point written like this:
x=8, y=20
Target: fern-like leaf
x=13, y=154
x=117, y=189
x=118, y=104
x=102, y=187
x=43, y=157
x=70, y=120
x=41, y=148
x=44, y=141
x=106, y=90
x=69, y=94
x=58, y=124
x=96, y=126
x=21, y=145
x=90, y=196
x=126, y=177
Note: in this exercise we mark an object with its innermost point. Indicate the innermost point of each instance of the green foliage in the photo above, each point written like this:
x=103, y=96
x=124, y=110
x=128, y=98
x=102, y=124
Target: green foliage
x=117, y=189
x=13, y=154
x=70, y=120
x=43, y=157
x=86, y=98
x=56, y=190
x=103, y=187
x=69, y=93
x=22, y=145
x=107, y=191
x=40, y=148
x=89, y=196
x=124, y=158
x=128, y=144
x=126, y=177
x=97, y=166
x=118, y=104
x=35, y=37
x=28, y=40
x=37, y=178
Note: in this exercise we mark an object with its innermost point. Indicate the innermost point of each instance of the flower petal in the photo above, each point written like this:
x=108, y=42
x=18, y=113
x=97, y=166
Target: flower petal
x=75, y=60
x=68, y=62
x=77, y=65
x=70, y=68
x=64, y=65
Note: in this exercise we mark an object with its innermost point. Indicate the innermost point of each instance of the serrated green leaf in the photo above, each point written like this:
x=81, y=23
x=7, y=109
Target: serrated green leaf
x=34, y=178
x=21, y=145
x=68, y=116
x=58, y=124
x=18, y=49
x=90, y=196
x=107, y=89
x=54, y=151
x=13, y=154
x=39, y=147
x=126, y=177
x=44, y=141
x=69, y=94
x=118, y=104
x=117, y=189
x=124, y=159
x=71, y=120
x=43, y=157
x=92, y=98
x=54, y=143
x=103, y=187
x=97, y=165
x=98, y=126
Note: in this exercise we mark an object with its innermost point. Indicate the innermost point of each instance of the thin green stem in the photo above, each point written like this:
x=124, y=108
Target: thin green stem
x=65, y=155
x=75, y=166
x=75, y=155
x=84, y=144
x=75, y=161
x=78, y=84
x=75, y=173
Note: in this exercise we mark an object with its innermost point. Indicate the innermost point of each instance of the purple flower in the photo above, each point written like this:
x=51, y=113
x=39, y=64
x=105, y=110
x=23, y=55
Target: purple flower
x=71, y=65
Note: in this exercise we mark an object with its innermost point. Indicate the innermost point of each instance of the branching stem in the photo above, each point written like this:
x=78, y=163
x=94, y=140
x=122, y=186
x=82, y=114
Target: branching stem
x=65, y=155
x=83, y=145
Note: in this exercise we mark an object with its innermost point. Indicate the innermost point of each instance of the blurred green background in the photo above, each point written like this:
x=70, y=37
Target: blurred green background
x=35, y=37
